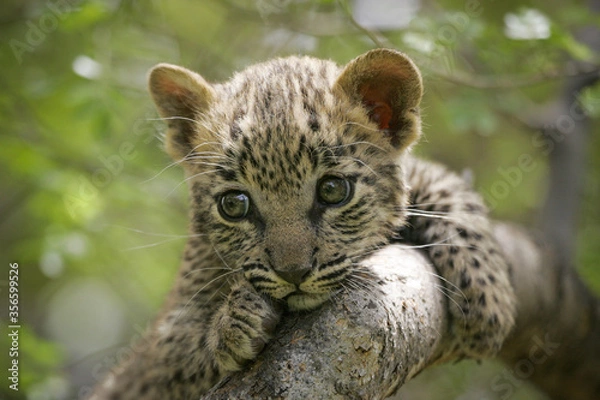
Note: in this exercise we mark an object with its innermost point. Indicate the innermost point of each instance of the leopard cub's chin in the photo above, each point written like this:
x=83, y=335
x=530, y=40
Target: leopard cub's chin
x=306, y=301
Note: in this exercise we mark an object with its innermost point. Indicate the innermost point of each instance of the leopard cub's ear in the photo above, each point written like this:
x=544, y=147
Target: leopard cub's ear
x=181, y=97
x=388, y=84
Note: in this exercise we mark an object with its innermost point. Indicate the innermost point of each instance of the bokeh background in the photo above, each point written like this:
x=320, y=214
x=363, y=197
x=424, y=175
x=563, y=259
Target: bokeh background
x=94, y=212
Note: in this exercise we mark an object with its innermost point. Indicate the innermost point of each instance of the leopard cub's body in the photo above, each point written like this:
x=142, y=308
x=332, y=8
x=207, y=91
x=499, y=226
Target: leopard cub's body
x=297, y=171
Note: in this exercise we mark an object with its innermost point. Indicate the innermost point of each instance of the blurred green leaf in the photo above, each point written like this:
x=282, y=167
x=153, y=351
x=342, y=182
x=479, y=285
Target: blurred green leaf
x=84, y=15
x=565, y=41
x=590, y=100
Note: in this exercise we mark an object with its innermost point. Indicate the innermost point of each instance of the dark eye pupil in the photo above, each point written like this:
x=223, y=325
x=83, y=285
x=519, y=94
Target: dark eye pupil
x=234, y=205
x=333, y=190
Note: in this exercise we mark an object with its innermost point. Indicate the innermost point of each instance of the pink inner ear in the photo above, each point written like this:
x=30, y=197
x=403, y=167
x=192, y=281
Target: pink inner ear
x=381, y=114
x=171, y=88
x=380, y=111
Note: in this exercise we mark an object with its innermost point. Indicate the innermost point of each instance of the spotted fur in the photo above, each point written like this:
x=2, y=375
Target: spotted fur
x=272, y=133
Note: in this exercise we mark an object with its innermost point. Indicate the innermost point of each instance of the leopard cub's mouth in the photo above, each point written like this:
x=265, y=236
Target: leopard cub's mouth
x=302, y=301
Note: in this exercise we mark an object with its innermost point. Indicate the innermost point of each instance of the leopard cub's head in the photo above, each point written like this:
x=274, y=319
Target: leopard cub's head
x=293, y=165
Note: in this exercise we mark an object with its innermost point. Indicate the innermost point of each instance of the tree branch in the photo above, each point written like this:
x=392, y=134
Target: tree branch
x=556, y=343
x=515, y=81
x=470, y=79
x=365, y=345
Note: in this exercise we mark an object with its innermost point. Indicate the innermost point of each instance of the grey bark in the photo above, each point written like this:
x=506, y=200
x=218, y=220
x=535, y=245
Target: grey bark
x=564, y=315
x=556, y=343
x=365, y=345
x=568, y=129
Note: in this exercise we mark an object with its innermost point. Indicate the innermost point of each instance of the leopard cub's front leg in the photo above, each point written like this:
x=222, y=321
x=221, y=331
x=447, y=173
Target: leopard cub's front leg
x=450, y=221
x=241, y=327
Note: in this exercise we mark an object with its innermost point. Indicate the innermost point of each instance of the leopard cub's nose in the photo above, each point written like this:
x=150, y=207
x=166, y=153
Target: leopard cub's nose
x=294, y=273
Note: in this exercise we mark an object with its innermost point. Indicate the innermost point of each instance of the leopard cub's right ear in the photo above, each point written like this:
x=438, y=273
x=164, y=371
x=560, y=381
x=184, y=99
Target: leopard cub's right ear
x=181, y=96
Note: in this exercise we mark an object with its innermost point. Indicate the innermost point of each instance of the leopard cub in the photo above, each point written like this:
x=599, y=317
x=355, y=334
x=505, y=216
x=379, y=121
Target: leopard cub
x=298, y=169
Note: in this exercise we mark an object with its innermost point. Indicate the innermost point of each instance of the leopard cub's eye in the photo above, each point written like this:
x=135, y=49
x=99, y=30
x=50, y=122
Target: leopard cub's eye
x=234, y=205
x=334, y=190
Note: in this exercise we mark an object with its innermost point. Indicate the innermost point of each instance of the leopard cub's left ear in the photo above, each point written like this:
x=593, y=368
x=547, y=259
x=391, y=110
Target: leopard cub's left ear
x=389, y=86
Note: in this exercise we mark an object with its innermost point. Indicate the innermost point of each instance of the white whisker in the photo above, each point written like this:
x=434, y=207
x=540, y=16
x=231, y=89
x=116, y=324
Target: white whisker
x=192, y=235
x=206, y=269
x=189, y=178
x=191, y=153
x=146, y=246
x=226, y=274
x=362, y=163
x=365, y=127
x=172, y=118
x=410, y=213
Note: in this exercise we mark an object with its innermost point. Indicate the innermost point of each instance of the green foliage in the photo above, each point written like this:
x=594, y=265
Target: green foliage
x=42, y=357
x=87, y=192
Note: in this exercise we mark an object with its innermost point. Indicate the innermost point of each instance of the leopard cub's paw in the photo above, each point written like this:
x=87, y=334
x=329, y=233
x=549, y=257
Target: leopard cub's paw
x=484, y=313
x=242, y=327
